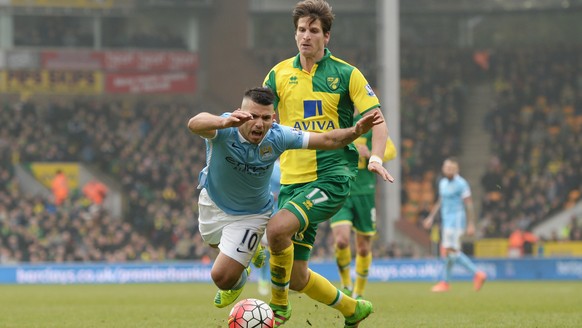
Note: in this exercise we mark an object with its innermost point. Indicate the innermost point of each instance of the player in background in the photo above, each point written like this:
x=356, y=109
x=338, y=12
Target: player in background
x=316, y=91
x=358, y=214
x=456, y=207
x=265, y=273
x=235, y=202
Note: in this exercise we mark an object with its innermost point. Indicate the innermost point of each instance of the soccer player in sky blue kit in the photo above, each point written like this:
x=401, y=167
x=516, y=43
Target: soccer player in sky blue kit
x=236, y=202
x=456, y=208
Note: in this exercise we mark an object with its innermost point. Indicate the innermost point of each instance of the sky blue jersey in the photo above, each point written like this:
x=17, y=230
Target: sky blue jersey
x=237, y=173
x=452, y=193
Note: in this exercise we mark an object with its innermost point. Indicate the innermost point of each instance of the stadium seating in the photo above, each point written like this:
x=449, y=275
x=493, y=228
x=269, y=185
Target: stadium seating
x=534, y=127
x=153, y=156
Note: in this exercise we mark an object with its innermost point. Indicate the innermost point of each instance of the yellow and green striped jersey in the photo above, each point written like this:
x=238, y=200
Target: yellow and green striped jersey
x=319, y=101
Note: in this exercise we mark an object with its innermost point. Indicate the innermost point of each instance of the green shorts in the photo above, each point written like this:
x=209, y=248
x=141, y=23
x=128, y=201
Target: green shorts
x=313, y=203
x=360, y=212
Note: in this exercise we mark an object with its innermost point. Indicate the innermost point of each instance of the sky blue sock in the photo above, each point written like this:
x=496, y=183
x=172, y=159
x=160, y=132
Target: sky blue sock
x=465, y=261
x=449, y=261
x=242, y=281
x=265, y=272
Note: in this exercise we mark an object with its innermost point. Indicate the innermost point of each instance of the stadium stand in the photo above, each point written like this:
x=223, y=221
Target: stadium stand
x=150, y=154
x=535, y=128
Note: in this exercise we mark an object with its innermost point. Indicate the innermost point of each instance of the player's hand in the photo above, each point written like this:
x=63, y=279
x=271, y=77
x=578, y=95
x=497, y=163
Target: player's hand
x=427, y=223
x=380, y=170
x=367, y=122
x=237, y=118
x=470, y=229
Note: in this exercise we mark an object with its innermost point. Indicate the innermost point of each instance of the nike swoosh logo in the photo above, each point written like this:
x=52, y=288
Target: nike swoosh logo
x=238, y=250
x=234, y=145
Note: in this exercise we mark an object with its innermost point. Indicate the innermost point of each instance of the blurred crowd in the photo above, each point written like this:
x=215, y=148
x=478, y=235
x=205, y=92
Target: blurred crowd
x=149, y=152
x=432, y=101
x=535, y=124
x=433, y=96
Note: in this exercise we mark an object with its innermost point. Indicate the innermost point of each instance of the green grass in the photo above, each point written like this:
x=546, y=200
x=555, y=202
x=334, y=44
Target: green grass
x=499, y=304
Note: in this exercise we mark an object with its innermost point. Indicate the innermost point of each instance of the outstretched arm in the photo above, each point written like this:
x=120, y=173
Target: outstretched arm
x=206, y=124
x=379, y=139
x=427, y=223
x=339, y=138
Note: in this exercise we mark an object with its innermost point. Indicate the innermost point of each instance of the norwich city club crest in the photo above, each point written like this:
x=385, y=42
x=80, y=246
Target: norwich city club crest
x=333, y=82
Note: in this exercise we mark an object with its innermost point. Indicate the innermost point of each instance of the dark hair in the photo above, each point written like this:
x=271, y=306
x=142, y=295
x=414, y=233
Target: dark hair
x=314, y=9
x=261, y=95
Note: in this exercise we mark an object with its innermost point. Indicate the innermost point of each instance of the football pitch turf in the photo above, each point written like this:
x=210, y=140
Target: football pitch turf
x=397, y=304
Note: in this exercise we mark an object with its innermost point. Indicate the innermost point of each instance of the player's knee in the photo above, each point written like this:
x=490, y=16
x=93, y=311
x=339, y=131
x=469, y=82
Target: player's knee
x=342, y=243
x=223, y=279
x=363, y=252
x=277, y=233
x=274, y=237
x=363, y=247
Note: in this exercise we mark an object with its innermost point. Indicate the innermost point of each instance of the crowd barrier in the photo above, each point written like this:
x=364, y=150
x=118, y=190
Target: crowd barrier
x=381, y=270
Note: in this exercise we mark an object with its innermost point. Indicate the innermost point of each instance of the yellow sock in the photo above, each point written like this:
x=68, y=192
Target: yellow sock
x=344, y=259
x=281, y=265
x=362, y=266
x=323, y=291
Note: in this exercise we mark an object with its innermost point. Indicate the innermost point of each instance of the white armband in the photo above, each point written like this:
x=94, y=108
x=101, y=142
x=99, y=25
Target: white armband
x=375, y=159
x=305, y=144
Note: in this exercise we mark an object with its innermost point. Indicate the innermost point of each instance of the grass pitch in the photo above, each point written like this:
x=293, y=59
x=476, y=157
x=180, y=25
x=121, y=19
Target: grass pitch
x=499, y=304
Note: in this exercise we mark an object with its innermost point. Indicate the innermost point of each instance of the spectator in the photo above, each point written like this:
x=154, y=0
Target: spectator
x=521, y=243
x=95, y=191
x=60, y=187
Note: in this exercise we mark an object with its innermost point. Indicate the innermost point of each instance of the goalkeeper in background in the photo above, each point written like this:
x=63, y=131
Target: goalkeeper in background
x=359, y=214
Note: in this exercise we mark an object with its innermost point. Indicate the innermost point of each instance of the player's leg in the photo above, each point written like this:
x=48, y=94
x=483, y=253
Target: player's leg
x=363, y=263
x=450, y=240
x=322, y=290
x=226, y=272
x=238, y=246
x=265, y=272
x=315, y=204
x=341, y=228
x=365, y=226
x=461, y=258
x=230, y=277
x=211, y=227
x=279, y=231
x=237, y=237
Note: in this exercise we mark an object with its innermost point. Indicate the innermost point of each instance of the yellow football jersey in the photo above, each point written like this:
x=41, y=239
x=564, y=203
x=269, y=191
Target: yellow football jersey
x=319, y=101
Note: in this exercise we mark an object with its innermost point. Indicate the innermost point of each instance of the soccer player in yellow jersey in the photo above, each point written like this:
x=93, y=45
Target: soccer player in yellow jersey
x=316, y=92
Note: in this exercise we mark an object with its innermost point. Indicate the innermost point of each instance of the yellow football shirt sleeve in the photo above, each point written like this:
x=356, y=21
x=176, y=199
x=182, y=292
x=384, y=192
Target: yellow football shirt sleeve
x=361, y=92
